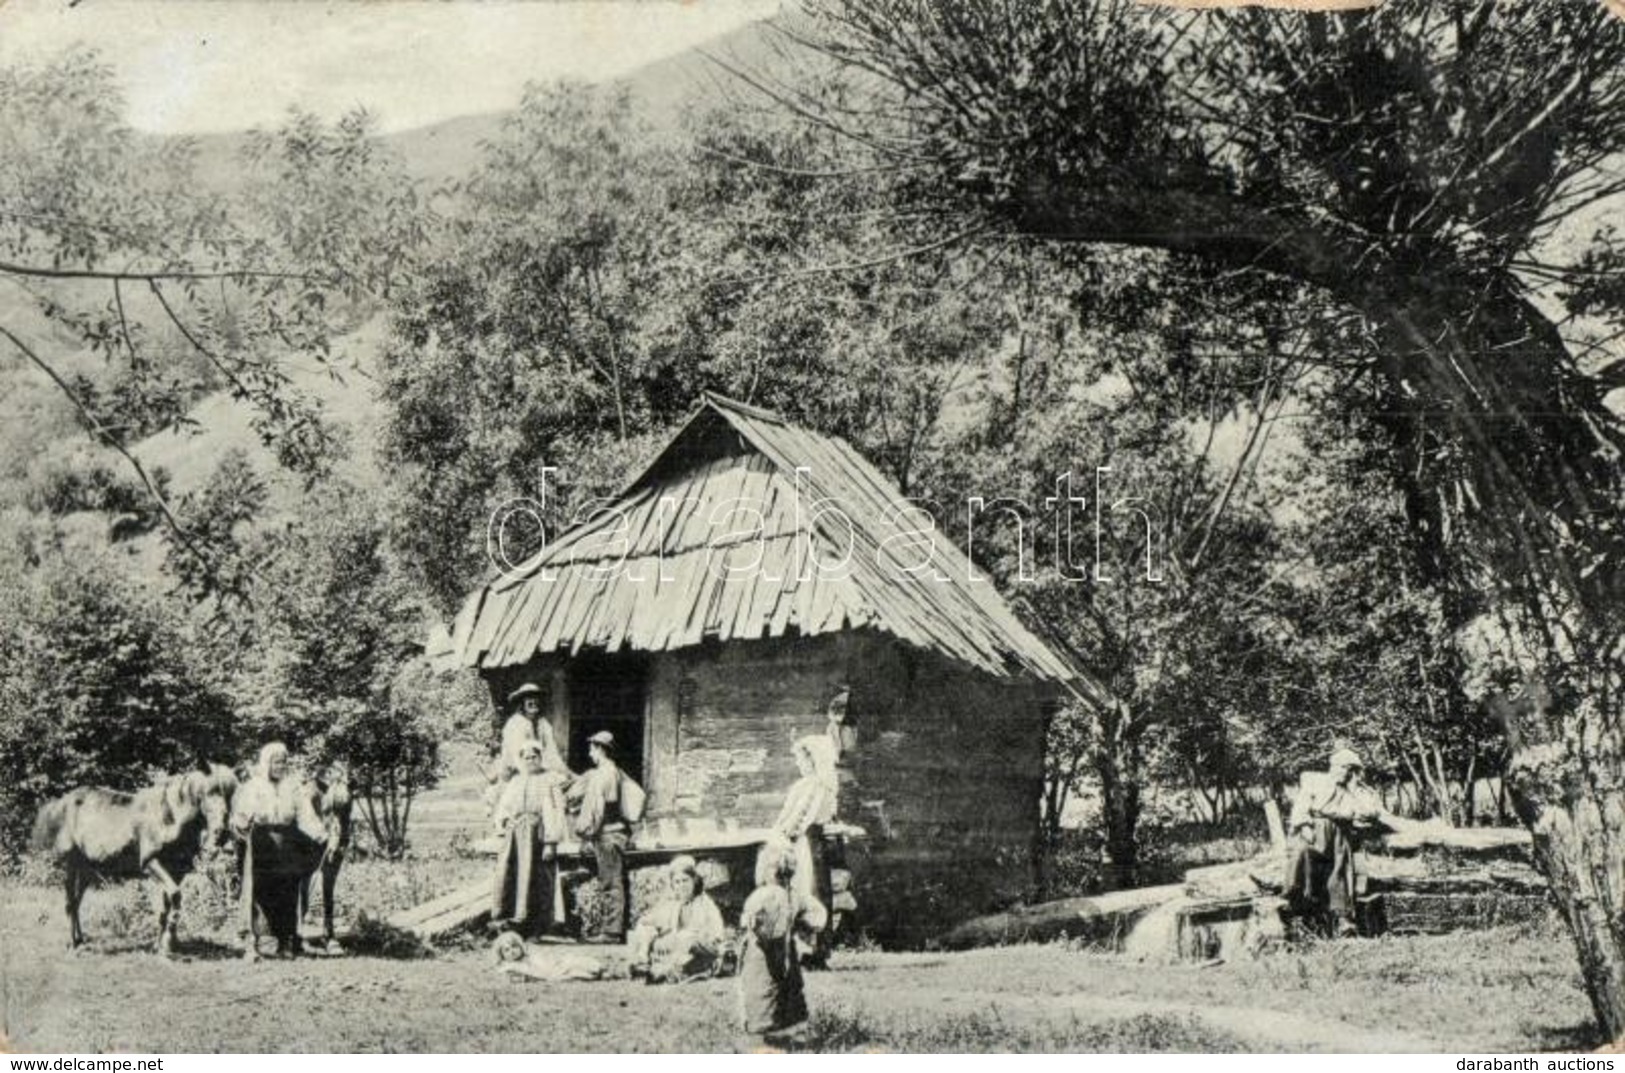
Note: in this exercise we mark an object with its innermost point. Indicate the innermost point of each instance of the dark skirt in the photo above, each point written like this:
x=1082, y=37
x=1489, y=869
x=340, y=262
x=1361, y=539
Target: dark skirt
x=771, y=989
x=522, y=891
x=282, y=860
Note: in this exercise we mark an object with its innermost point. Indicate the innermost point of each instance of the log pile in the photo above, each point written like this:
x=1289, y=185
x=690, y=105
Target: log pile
x=1104, y=918
x=1426, y=879
x=1433, y=880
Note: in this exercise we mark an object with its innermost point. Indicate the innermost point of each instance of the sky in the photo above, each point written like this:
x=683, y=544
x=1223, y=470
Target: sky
x=199, y=66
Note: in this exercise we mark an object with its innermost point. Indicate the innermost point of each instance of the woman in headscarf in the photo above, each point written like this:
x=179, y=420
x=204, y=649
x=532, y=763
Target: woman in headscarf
x=530, y=818
x=283, y=838
x=772, y=995
x=808, y=806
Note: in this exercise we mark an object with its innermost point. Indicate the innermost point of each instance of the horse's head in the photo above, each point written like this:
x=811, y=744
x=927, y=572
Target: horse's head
x=210, y=792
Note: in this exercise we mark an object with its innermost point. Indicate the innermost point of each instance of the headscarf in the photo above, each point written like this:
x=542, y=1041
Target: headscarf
x=266, y=800
x=275, y=750
x=518, y=731
x=775, y=861
x=820, y=751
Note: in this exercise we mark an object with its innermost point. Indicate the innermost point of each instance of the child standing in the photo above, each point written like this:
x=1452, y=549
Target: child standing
x=771, y=991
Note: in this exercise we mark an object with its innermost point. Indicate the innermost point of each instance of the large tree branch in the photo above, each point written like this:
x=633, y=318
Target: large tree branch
x=47, y=272
x=1127, y=210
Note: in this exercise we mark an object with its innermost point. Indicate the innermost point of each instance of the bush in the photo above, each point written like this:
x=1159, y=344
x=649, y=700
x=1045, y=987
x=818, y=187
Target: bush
x=336, y=672
x=67, y=486
x=96, y=688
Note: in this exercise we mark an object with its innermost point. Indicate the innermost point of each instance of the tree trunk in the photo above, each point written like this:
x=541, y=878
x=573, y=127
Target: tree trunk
x=1541, y=455
x=1567, y=778
x=1119, y=769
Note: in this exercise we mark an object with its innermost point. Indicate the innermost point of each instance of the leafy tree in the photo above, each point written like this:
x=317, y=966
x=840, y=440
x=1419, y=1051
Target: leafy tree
x=1149, y=564
x=86, y=482
x=594, y=279
x=519, y=343
x=1409, y=163
x=118, y=251
x=98, y=687
x=1374, y=660
x=334, y=629
x=221, y=515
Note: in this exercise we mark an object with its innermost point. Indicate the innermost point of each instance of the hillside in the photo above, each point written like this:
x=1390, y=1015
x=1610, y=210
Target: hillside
x=664, y=92
x=37, y=421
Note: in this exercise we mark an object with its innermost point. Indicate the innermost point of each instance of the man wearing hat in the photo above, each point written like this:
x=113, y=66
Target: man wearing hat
x=524, y=725
x=601, y=823
x=1332, y=811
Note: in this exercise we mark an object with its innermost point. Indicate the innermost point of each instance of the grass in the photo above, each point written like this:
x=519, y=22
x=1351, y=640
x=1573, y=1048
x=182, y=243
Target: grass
x=843, y=1027
x=1510, y=989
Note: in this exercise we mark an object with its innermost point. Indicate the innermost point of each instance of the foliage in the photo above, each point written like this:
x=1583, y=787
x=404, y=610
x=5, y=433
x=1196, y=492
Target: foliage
x=1115, y=523
x=1443, y=142
x=120, y=255
x=1409, y=166
x=1375, y=662
x=595, y=278
x=60, y=486
x=97, y=687
x=220, y=517
x=517, y=346
x=333, y=629
x=336, y=196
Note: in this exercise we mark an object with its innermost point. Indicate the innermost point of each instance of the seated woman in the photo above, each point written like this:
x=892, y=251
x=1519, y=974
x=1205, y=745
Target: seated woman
x=771, y=991
x=283, y=840
x=681, y=938
x=530, y=817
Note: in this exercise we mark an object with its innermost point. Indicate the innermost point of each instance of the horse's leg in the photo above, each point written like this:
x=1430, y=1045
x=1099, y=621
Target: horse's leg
x=74, y=882
x=330, y=875
x=171, y=893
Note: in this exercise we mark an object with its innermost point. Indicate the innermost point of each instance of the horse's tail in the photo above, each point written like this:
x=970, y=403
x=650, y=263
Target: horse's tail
x=52, y=831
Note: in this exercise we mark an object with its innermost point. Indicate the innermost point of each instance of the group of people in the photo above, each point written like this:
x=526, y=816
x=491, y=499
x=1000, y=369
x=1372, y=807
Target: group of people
x=536, y=800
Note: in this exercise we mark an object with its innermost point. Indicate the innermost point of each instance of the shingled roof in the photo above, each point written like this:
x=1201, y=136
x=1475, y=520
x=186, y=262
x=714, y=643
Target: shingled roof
x=680, y=558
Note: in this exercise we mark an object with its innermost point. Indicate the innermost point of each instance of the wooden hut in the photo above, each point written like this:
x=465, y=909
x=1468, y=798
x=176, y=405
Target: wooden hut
x=707, y=618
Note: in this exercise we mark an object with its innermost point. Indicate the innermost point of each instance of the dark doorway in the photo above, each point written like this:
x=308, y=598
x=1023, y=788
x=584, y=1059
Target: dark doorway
x=608, y=693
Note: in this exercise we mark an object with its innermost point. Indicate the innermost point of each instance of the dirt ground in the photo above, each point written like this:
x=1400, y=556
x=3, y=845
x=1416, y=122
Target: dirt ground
x=1504, y=990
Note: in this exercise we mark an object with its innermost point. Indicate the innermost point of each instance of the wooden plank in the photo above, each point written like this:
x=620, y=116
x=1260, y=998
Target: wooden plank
x=417, y=914
x=776, y=555
x=1488, y=841
x=744, y=570
x=1272, y=816
x=690, y=501
x=688, y=570
x=558, y=607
